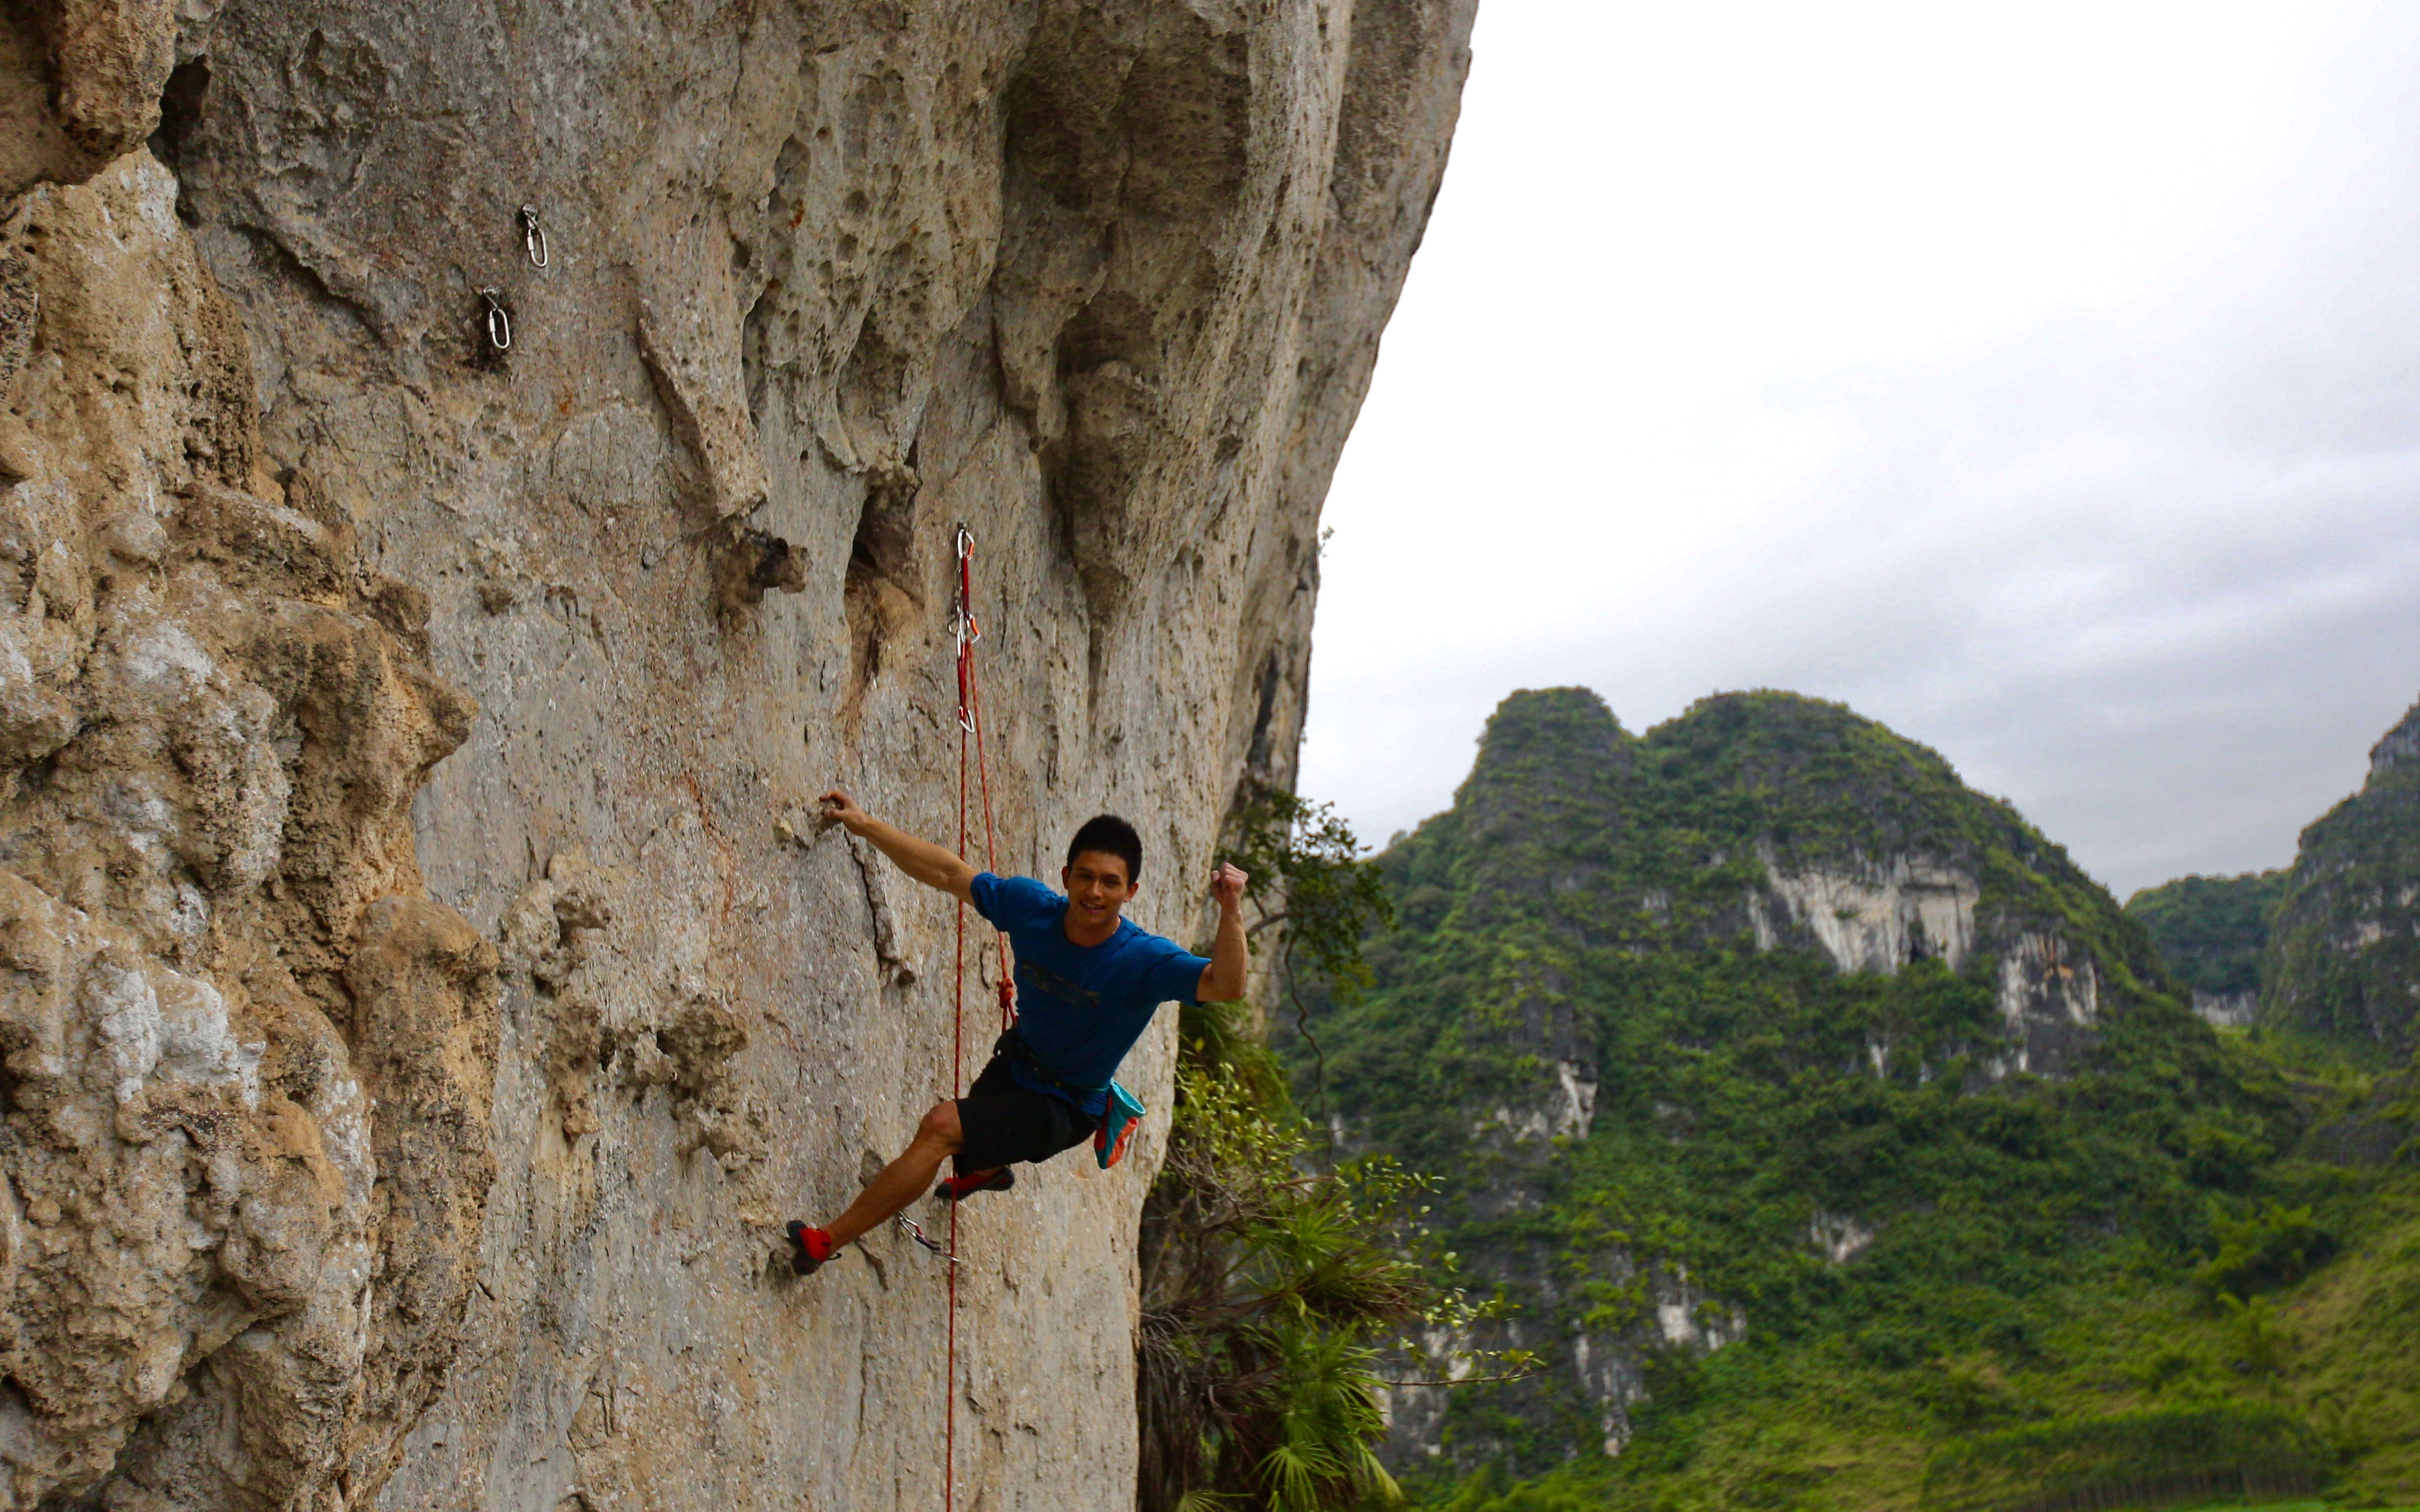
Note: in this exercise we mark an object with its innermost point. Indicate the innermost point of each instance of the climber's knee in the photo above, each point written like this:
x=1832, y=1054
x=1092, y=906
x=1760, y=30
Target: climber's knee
x=941, y=1127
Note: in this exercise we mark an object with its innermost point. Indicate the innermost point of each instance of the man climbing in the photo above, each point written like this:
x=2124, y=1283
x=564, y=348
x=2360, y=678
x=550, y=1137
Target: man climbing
x=1088, y=982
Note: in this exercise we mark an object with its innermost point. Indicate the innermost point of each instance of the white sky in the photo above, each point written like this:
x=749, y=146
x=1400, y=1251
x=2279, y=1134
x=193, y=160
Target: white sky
x=2042, y=380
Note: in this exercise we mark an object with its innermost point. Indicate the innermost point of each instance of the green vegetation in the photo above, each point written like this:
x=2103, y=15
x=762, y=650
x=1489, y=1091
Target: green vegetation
x=2211, y=930
x=2264, y=1250
x=1264, y=1285
x=1262, y=1288
x=1917, y=1257
x=2343, y=963
x=2159, y=1456
x=1321, y=898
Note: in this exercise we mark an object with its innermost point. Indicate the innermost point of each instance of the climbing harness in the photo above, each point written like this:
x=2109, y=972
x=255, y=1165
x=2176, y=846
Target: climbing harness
x=970, y=731
x=1120, y=1110
x=534, y=236
x=500, y=325
x=1012, y=1044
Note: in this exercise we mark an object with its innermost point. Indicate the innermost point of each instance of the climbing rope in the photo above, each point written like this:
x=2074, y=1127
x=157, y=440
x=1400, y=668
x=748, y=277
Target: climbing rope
x=970, y=731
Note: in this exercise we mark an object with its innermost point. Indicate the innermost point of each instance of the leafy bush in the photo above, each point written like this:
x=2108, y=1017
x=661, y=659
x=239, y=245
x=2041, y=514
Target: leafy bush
x=2274, y=1248
x=1262, y=1287
x=2129, y=1460
x=1267, y=1283
x=1320, y=896
x=1572, y=1490
x=2257, y=1336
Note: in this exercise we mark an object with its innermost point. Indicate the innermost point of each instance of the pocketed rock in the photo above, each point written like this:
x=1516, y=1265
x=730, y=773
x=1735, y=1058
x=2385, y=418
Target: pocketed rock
x=217, y=715
x=384, y=1132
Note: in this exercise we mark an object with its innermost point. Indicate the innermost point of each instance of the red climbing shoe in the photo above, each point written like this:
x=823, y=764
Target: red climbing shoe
x=959, y=1188
x=809, y=1248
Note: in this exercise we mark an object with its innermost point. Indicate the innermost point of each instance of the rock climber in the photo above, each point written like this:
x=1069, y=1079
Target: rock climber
x=1088, y=982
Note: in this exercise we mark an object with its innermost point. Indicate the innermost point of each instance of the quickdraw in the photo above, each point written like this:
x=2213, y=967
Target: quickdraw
x=534, y=236
x=500, y=322
x=916, y=1231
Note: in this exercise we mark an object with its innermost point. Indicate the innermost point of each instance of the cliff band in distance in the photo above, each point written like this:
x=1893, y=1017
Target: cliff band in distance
x=414, y=1023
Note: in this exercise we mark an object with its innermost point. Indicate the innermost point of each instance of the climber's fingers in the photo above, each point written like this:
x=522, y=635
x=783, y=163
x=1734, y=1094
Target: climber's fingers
x=837, y=806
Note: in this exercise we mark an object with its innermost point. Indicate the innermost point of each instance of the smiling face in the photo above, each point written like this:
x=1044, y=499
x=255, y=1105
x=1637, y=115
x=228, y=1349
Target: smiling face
x=1097, y=887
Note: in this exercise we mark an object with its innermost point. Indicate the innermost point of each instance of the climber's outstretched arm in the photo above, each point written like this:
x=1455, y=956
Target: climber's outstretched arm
x=1231, y=959
x=922, y=859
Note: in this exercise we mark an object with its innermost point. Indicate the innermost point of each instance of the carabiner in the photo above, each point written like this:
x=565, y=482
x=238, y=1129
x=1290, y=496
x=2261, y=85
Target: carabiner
x=962, y=608
x=962, y=616
x=499, y=323
x=916, y=1232
x=534, y=236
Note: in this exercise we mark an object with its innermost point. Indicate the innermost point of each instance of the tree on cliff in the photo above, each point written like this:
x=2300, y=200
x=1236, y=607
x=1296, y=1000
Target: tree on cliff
x=1270, y=1277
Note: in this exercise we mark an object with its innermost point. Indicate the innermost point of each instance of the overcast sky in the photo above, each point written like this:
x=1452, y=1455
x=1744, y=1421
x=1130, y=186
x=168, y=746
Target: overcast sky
x=2042, y=380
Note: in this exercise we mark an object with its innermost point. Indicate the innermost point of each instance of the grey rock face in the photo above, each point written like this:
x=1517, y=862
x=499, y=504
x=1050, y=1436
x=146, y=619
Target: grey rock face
x=428, y=987
x=2397, y=746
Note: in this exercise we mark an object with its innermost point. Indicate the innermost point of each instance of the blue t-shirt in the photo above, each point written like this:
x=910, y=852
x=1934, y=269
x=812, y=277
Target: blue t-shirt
x=1081, y=1006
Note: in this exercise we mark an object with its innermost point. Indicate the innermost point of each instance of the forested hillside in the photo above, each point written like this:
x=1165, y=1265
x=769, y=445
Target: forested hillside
x=1832, y=1140
x=2212, y=930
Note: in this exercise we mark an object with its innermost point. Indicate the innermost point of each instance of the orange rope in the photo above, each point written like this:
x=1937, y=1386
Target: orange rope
x=970, y=724
x=957, y=1078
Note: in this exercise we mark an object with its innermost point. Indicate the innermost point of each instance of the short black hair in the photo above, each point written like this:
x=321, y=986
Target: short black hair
x=1109, y=835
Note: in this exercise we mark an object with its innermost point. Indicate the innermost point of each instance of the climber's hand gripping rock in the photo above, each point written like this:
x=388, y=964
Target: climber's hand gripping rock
x=927, y=863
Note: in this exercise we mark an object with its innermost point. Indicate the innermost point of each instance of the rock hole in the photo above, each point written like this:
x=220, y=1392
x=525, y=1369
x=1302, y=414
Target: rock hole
x=779, y=564
x=756, y=561
x=1114, y=327
x=35, y=777
x=86, y=1501
x=181, y=111
x=752, y=364
x=878, y=591
x=1264, y=754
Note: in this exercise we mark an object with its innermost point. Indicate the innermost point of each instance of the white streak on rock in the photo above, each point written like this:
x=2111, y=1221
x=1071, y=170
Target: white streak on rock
x=1876, y=917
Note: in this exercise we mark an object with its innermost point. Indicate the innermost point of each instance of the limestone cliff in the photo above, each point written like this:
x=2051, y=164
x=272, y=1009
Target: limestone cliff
x=2342, y=958
x=470, y=470
x=1695, y=1024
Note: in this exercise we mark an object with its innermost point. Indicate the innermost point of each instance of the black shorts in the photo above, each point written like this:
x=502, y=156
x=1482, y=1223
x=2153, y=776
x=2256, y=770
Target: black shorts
x=1006, y=1122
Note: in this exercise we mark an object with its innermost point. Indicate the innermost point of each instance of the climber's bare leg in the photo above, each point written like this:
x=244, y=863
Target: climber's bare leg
x=904, y=1180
